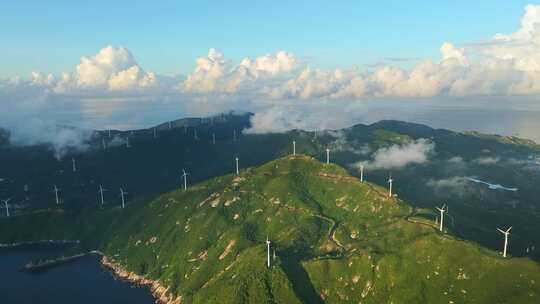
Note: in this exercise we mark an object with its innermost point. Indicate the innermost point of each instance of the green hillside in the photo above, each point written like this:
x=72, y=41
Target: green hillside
x=336, y=240
x=152, y=166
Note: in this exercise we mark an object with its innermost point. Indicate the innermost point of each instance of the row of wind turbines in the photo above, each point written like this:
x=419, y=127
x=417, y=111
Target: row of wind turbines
x=442, y=210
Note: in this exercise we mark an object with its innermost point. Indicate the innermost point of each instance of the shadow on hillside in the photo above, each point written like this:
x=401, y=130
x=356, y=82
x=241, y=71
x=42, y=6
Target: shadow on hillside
x=302, y=286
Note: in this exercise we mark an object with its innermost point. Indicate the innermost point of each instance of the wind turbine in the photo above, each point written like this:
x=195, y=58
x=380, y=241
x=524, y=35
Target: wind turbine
x=101, y=190
x=56, y=190
x=170, y=125
x=122, y=194
x=214, y=138
x=109, y=133
x=6, y=201
x=237, y=169
x=506, y=234
x=327, y=156
x=184, y=175
x=267, y=252
x=442, y=210
x=361, y=173
x=155, y=133
x=127, y=142
x=293, y=147
x=73, y=165
x=390, y=184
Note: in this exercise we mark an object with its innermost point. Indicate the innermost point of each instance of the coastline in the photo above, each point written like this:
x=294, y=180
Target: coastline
x=158, y=291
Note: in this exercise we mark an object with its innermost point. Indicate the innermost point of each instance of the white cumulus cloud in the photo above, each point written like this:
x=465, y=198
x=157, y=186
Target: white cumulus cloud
x=399, y=155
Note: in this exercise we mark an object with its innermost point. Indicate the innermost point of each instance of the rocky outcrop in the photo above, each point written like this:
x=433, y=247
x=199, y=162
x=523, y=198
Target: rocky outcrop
x=160, y=292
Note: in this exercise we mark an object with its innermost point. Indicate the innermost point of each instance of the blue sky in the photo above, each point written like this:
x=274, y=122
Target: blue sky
x=167, y=37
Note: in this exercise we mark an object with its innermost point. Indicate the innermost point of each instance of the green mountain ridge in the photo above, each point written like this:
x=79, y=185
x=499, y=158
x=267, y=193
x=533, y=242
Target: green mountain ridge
x=336, y=240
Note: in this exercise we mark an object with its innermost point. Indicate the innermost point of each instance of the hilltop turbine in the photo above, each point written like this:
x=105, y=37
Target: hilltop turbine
x=237, y=168
x=100, y=191
x=361, y=173
x=127, y=142
x=390, y=184
x=170, y=125
x=109, y=133
x=293, y=147
x=122, y=194
x=442, y=210
x=73, y=165
x=506, y=234
x=267, y=252
x=327, y=156
x=6, y=201
x=184, y=175
x=56, y=190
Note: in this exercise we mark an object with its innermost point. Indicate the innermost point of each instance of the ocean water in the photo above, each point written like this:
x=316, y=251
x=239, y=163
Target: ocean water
x=82, y=281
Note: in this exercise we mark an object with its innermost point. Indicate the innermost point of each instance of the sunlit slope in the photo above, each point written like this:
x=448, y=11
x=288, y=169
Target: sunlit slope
x=336, y=240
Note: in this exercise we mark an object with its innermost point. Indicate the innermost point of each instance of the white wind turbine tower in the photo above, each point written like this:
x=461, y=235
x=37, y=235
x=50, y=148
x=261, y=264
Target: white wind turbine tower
x=237, y=168
x=184, y=175
x=101, y=190
x=267, y=252
x=506, y=234
x=293, y=147
x=6, y=201
x=361, y=173
x=73, y=165
x=327, y=156
x=390, y=184
x=127, y=142
x=109, y=133
x=103, y=144
x=170, y=125
x=56, y=190
x=442, y=210
x=123, y=196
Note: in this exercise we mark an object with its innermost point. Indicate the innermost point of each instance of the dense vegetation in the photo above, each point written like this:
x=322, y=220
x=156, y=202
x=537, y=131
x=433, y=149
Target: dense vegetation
x=153, y=166
x=336, y=240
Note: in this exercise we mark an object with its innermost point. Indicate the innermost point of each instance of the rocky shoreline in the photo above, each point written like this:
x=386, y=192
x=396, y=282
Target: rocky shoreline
x=160, y=292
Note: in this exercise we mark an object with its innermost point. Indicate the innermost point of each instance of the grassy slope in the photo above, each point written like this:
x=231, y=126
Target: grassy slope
x=337, y=240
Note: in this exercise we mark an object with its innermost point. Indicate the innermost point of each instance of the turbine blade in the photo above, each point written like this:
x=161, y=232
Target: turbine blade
x=501, y=231
x=509, y=229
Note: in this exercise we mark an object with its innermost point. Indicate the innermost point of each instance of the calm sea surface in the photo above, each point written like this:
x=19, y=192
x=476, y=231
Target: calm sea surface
x=83, y=281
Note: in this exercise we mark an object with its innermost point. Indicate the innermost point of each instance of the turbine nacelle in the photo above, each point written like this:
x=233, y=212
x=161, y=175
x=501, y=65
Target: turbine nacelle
x=505, y=232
